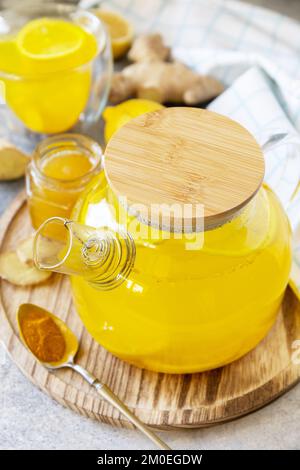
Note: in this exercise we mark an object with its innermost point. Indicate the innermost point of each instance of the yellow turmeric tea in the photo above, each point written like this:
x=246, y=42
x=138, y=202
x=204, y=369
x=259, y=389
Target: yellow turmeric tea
x=47, y=72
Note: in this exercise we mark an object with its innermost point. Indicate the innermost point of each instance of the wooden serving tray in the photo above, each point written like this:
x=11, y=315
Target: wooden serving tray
x=160, y=400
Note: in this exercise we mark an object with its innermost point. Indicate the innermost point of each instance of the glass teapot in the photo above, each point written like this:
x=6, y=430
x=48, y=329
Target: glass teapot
x=179, y=255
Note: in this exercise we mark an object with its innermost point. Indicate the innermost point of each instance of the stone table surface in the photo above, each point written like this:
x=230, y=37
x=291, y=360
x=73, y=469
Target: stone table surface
x=31, y=420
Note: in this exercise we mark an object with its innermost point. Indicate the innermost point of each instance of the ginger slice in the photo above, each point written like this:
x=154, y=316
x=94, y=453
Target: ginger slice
x=13, y=162
x=18, y=273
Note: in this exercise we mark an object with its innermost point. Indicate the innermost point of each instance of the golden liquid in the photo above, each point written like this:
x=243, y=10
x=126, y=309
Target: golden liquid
x=47, y=200
x=183, y=310
x=67, y=165
x=49, y=94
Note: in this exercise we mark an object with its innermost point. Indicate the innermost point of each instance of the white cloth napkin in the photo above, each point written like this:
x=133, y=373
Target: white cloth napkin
x=251, y=100
x=256, y=54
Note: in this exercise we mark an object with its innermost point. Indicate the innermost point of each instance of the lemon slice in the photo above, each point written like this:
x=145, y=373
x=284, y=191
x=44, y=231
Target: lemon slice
x=120, y=31
x=46, y=39
x=116, y=116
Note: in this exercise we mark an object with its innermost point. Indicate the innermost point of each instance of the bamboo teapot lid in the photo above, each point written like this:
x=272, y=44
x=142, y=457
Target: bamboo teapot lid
x=186, y=166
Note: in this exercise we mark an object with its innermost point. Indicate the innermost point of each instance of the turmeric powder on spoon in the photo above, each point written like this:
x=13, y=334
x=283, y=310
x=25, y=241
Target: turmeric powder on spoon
x=42, y=336
x=55, y=345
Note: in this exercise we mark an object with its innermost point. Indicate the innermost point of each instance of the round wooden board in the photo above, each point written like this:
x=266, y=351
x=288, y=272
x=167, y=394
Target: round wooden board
x=160, y=400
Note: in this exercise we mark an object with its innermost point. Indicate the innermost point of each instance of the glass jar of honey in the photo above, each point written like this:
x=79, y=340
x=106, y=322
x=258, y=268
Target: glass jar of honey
x=180, y=255
x=61, y=168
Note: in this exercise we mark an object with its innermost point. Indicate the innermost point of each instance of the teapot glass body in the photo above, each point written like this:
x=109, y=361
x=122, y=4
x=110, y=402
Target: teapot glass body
x=182, y=310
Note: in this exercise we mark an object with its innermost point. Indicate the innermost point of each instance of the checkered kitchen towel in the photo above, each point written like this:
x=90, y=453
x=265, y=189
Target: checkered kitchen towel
x=256, y=54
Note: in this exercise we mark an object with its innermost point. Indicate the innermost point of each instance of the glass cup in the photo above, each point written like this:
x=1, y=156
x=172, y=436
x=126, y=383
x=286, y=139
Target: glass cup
x=53, y=93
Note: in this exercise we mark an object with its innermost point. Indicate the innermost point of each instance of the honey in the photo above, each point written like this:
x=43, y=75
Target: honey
x=61, y=168
x=67, y=165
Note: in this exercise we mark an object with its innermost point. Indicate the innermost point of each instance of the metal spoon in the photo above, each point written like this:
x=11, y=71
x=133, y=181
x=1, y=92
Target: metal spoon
x=68, y=361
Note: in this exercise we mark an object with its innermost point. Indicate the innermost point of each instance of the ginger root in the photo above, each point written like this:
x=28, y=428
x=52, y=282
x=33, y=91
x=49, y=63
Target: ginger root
x=151, y=77
x=147, y=48
x=121, y=88
x=163, y=82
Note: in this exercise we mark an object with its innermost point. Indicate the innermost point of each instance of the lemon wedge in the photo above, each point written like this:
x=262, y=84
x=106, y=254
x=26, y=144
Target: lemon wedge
x=46, y=39
x=120, y=31
x=116, y=116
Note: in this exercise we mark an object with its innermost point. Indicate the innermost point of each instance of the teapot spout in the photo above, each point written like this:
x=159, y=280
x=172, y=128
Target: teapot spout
x=100, y=255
